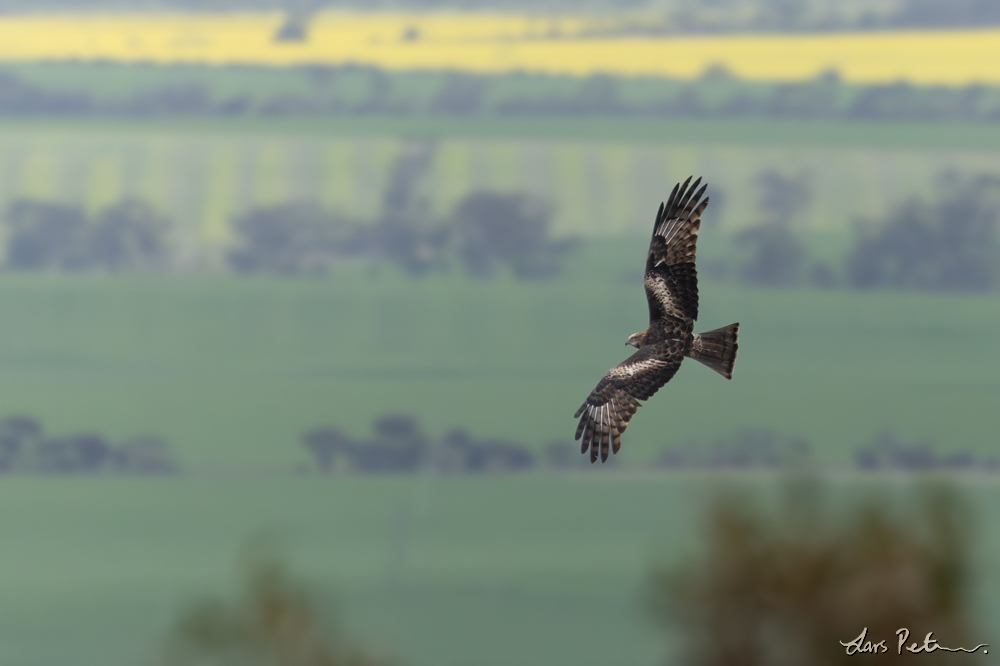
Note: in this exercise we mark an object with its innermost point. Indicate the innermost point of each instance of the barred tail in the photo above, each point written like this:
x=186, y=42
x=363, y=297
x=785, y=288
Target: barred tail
x=717, y=349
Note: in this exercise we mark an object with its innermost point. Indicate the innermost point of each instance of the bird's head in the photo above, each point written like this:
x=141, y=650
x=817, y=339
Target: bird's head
x=636, y=339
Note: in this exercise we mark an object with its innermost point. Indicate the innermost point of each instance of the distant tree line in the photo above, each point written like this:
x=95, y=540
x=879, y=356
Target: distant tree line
x=720, y=95
x=398, y=445
x=888, y=452
x=747, y=448
x=755, y=448
x=26, y=448
x=770, y=16
x=951, y=243
x=333, y=91
x=684, y=18
x=126, y=237
x=486, y=234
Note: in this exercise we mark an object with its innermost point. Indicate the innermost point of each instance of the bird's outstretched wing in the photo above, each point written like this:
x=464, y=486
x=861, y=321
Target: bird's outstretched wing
x=606, y=413
x=671, y=280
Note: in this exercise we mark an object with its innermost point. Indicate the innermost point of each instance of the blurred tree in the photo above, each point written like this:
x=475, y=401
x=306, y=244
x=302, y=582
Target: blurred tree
x=326, y=445
x=950, y=244
x=127, y=236
x=410, y=167
x=407, y=239
x=406, y=234
x=783, y=197
x=687, y=102
x=288, y=239
x=790, y=588
x=463, y=453
x=18, y=436
x=274, y=623
x=779, y=14
x=597, y=94
x=69, y=454
x=43, y=235
x=776, y=255
x=934, y=14
x=744, y=448
x=380, y=95
x=144, y=455
x=298, y=14
x=460, y=95
x=20, y=97
x=24, y=447
x=887, y=451
x=400, y=446
x=508, y=230
x=811, y=99
x=173, y=99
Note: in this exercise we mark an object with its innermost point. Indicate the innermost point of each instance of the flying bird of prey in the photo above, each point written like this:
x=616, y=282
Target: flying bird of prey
x=671, y=283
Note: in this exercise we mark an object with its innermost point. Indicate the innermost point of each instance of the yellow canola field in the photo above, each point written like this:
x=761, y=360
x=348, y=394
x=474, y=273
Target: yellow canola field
x=500, y=43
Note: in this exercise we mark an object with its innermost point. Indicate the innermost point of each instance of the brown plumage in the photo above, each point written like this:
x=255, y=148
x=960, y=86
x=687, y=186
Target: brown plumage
x=671, y=283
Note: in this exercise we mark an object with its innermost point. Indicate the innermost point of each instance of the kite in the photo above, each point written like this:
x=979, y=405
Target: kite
x=671, y=283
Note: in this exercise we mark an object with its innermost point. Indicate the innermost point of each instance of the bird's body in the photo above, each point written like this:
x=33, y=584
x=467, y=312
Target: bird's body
x=671, y=283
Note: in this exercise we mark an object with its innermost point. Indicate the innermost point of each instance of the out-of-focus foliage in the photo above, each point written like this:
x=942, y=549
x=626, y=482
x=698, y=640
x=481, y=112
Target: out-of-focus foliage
x=788, y=587
x=889, y=452
x=799, y=15
x=128, y=236
x=26, y=448
x=43, y=235
x=486, y=231
x=950, y=244
x=400, y=446
x=460, y=95
x=80, y=89
x=747, y=448
x=933, y=14
x=776, y=255
x=511, y=230
x=274, y=622
x=406, y=234
x=636, y=17
x=288, y=239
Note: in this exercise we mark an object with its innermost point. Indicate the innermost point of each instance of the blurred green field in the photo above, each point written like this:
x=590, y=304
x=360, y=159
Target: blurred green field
x=605, y=177
x=495, y=571
x=232, y=371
